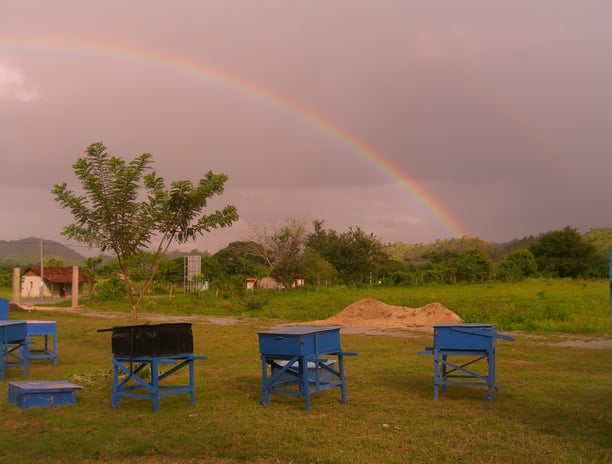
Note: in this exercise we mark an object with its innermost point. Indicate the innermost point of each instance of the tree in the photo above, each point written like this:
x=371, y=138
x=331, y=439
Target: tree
x=473, y=266
x=237, y=258
x=563, y=253
x=124, y=209
x=90, y=274
x=282, y=249
x=317, y=270
x=354, y=254
x=518, y=265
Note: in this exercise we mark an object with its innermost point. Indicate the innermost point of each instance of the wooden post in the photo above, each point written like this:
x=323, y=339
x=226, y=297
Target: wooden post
x=16, y=285
x=75, y=286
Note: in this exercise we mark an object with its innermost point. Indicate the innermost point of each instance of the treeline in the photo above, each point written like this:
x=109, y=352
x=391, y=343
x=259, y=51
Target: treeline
x=317, y=256
x=325, y=257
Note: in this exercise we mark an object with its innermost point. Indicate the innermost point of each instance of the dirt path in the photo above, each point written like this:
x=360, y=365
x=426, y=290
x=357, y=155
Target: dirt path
x=355, y=325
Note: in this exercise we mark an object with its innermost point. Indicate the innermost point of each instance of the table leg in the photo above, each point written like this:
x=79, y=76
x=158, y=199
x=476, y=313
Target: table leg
x=265, y=393
x=155, y=384
x=303, y=369
x=192, y=380
x=342, y=382
x=115, y=393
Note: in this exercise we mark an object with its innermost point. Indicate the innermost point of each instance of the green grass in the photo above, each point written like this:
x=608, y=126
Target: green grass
x=553, y=406
x=538, y=305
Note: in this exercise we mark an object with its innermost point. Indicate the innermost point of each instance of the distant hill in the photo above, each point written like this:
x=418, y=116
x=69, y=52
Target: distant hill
x=417, y=253
x=27, y=251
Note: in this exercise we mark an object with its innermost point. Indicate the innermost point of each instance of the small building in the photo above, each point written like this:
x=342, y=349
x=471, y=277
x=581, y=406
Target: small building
x=270, y=283
x=57, y=282
x=250, y=283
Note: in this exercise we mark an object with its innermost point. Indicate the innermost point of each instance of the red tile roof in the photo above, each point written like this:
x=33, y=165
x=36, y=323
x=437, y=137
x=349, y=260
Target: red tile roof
x=56, y=274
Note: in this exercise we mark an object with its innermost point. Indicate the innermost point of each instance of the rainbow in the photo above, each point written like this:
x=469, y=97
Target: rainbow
x=187, y=65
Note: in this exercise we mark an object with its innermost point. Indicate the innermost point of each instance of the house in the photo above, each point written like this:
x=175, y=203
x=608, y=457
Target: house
x=57, y=282
x=271, y=283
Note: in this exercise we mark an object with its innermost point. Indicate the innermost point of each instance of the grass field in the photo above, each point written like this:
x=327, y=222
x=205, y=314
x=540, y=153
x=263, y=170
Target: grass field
x=554, y=403
x=538, y=305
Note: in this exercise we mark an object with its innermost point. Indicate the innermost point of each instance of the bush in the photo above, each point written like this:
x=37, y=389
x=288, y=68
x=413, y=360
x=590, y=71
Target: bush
x=111, y=289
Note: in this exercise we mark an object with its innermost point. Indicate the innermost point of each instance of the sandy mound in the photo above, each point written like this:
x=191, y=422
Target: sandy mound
x=374, y=313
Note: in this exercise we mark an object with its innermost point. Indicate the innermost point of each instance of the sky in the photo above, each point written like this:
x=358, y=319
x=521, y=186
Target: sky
x=413, y=120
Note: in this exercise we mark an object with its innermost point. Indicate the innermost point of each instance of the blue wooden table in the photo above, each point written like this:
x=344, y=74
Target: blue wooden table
x=457, y=354
x=14, y=346
x=296, y=361
x=42, y=340
x=141, y=377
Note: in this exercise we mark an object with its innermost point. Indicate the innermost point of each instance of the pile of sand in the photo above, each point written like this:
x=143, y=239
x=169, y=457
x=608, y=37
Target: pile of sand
x=373, y=313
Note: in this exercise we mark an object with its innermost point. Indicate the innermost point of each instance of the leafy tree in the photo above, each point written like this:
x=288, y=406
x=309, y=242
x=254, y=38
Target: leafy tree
x=602, y=241
x=563, y=253
x=518, y=265
x=317, y=270
x=6, y=276
x=239, y=258
x=281, y=248
x=170, y=275
x=354, y=254
x=473, y=266
x=124, y=209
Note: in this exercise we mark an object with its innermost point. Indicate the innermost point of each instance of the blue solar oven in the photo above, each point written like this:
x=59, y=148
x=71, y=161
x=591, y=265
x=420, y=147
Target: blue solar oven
x=296, y=361
x=300, y=341
x=456, y=351
x=465, y=336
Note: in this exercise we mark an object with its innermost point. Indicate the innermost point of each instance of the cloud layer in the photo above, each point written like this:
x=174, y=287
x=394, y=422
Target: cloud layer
x=398, y=117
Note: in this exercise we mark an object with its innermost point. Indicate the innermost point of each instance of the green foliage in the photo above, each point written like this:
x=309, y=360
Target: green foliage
x=601, y=239
x=254, y=303
x=111, y=290
x=238, y=258
x=473, y=266
x=126, y=206
x=354, y=254
x=171, y=271
x=518, y=265
x=282, y=250
x=564, y=253
x=534, y=305
x=317, y=270
x=419, y=253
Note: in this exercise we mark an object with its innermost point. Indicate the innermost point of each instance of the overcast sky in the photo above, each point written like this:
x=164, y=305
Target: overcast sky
x=414, y=120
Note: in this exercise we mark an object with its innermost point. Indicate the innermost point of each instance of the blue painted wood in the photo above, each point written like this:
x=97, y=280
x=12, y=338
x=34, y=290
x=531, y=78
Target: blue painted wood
x=457, y=350
x=4, y=309
x=294, y=361
x=464, y=336
x=13, y=346
x=129, y=381
x=12, y=331
x=42, y=394
x=42, y=340
x=302, y=341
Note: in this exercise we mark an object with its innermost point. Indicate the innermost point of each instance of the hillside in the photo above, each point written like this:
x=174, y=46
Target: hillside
x=417, y=253
x=27, y=251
